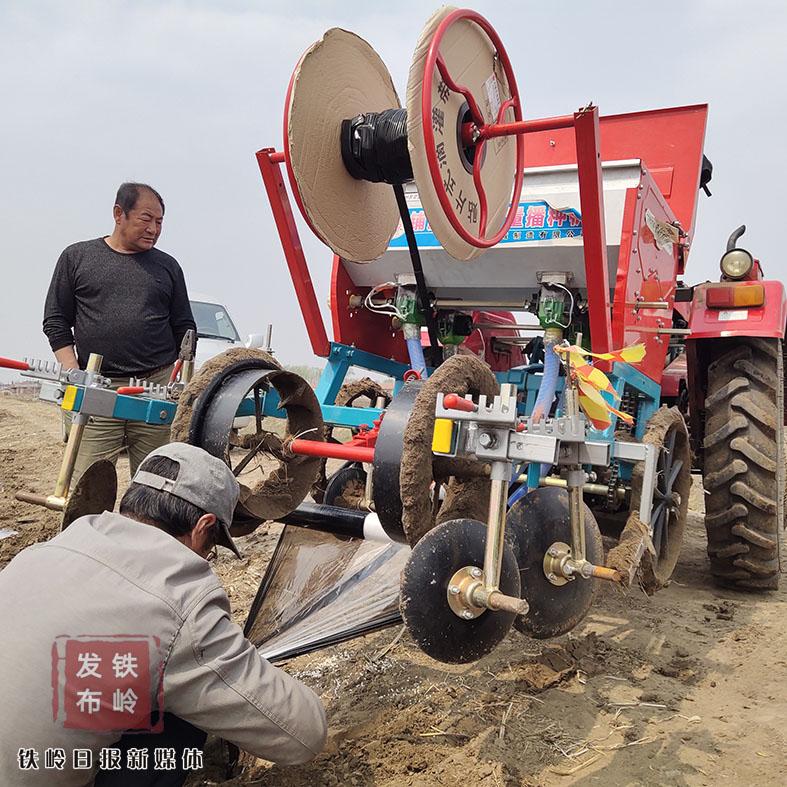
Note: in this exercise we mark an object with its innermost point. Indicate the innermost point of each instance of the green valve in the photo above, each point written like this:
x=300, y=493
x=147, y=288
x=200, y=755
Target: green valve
x=407, y=305
x=551, y=312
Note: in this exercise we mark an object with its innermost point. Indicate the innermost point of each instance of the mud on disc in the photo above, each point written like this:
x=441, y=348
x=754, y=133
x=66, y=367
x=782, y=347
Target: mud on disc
x=436, y=629
x=533, y=524
x=94, y=493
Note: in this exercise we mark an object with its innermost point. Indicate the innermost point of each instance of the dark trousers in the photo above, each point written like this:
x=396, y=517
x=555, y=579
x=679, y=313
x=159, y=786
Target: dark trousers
x=177, y=734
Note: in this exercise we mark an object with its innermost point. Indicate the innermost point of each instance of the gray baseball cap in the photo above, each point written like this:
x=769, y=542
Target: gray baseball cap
x=203, y=480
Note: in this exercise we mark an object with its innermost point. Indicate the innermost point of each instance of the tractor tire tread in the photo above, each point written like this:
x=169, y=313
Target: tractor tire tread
x=743, y=463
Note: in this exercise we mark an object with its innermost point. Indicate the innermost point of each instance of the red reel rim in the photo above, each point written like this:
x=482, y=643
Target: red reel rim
x=434, y=169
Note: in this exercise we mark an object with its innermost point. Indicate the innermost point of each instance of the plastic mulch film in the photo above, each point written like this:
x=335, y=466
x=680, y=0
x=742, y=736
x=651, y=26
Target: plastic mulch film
x=320, y=589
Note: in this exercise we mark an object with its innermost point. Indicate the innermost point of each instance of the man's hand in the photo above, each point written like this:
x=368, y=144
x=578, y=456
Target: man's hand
x=67, y=357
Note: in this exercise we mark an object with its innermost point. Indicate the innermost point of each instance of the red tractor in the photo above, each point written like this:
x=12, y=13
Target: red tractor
x=735, y=397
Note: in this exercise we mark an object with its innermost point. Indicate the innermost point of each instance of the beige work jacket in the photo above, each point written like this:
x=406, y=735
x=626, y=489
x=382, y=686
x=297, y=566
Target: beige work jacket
x=106, y=576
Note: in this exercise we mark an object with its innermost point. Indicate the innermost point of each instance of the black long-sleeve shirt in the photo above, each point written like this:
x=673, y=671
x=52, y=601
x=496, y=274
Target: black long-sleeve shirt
x=131, y=308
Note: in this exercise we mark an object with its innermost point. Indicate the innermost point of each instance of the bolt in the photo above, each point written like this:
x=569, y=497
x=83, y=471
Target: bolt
x=453, y=590
x=551, y=577
x=486, y=440
x=162, y=415
x=553, y=551
x=467, y=614
x=475, y=572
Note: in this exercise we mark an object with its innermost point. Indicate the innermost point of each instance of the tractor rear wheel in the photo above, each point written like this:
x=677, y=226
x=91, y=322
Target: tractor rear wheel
x=743, y=470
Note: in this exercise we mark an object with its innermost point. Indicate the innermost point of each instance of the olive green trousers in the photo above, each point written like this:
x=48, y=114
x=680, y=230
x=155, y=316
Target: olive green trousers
x=105, y=438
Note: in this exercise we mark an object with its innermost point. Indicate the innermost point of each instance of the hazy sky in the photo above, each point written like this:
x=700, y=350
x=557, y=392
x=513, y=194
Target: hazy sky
x=181, y=94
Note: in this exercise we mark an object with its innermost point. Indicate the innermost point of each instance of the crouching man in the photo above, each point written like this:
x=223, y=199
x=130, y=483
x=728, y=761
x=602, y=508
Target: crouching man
x=118, y=652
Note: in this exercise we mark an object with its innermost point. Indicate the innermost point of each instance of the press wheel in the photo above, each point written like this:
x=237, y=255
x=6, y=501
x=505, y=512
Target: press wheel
x=435, y=627
x=346, y=487
x=534, y=524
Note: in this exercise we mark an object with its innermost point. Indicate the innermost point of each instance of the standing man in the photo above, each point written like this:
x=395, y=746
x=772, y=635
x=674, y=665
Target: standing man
x=119, y=653
x=120, y=297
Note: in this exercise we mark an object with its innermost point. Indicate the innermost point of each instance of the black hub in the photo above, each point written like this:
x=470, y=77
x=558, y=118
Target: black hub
x=435, y=627
x=346, y=487
x=666, y=498
x=534, y=523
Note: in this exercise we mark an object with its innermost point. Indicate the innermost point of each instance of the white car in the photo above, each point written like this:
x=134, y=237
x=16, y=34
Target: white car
x=216, y=331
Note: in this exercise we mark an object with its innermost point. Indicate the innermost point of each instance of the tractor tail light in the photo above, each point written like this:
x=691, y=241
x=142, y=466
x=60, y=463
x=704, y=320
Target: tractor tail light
x=723, y=296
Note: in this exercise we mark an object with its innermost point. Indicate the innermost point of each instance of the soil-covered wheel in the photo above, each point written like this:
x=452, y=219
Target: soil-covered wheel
x=350, y=395
x=346, y=488
x=743, y=470
x=654, y=557
x=205, y=416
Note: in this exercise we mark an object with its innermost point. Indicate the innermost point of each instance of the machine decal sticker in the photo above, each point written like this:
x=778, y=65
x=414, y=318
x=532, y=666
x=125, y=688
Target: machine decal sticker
x=734, y=314
x=534, y=221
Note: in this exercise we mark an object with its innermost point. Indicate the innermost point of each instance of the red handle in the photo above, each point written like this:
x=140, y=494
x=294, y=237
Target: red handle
x=10, y=363
x=456, y=402
x=176, y=370
x=131, y=390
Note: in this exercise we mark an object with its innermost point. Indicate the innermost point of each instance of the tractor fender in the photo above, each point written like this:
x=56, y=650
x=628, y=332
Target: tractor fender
x=767, y=321
x=710, y=326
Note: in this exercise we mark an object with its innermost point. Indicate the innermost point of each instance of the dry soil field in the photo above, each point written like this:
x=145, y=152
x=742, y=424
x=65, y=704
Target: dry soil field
x=685, y=688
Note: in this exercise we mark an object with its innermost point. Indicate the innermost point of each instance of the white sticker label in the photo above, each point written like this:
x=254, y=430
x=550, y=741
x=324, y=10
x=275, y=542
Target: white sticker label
x=493, y=97
x=736, y=314
x=664, y=235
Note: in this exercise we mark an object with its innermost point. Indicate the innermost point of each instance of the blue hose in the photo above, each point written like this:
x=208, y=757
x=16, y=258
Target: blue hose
x=548, y=387
x=521, y=491
x=416, y=352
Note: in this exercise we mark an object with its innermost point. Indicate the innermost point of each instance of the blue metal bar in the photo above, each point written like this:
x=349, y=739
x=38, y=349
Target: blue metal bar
x=350, y=416
x=132, y=408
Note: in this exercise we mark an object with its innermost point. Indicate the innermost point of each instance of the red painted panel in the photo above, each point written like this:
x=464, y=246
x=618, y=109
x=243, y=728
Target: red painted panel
x=669, y=141
x=768, y=320
x=500, y=357
x=360, y=327
x=645, y=273
x=674, y=374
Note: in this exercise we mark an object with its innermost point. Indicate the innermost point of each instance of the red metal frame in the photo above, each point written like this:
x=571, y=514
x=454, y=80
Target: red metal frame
x=360, y=448
x=646, y=273
x=358, y=326
x=269, y=162
x=668, y=141
x=594, y=236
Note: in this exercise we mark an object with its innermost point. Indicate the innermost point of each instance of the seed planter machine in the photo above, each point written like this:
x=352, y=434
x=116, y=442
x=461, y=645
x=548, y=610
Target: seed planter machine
x=530, y=345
